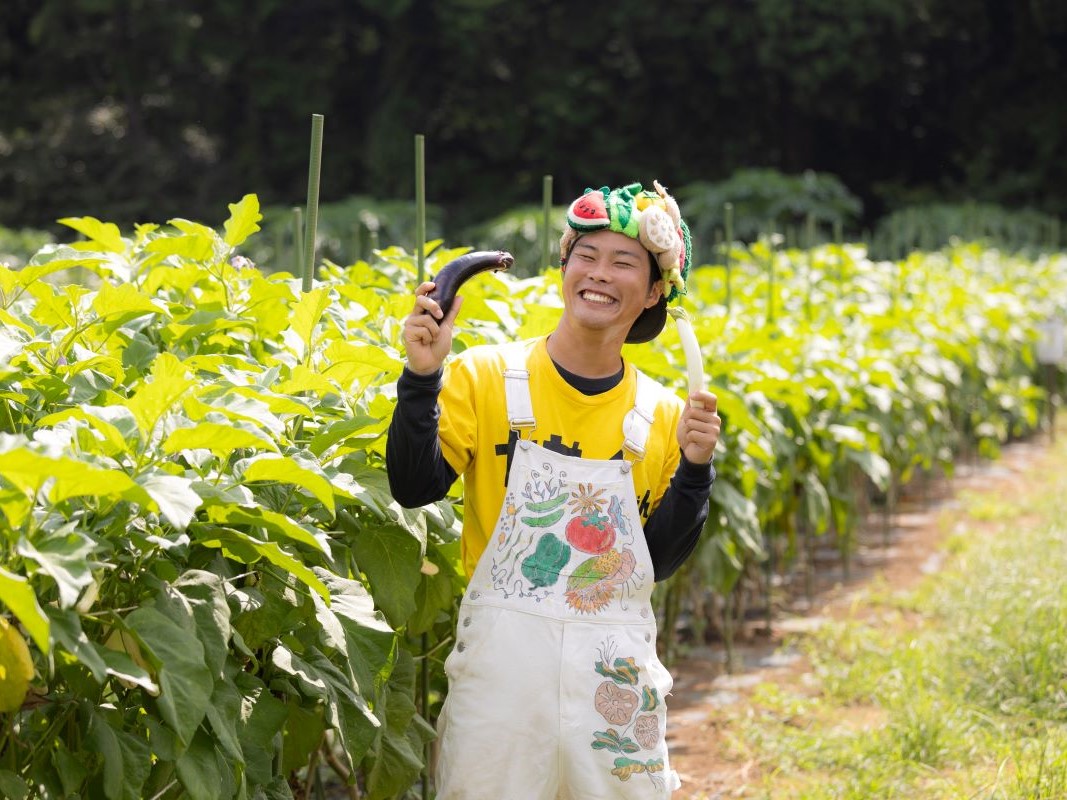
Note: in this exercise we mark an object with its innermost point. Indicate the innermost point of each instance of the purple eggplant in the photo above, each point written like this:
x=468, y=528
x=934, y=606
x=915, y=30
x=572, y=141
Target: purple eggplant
x=458, y=271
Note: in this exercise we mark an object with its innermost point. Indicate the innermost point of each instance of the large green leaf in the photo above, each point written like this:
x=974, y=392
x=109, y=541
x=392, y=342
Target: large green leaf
x=359, y=362
x=105, y=234
x=395, y=759
x=244, y=216
x=115, y=425
x=334, y=432
x=223, y=714
x=304, y=727
x=68, y=635
x=247, y=549
x=206, y=595
x=118, y=304
x=205, y=773
x=391, y=558
x=346, y=711
x=261, y=717
x=70, y=477
x=64, y=556
x=352, y=626
x=271, y=521
x=12, y=786
x=170, y=381
x=220, y=439
x=127, y=759
x=173, y=495
x=17, y=595
x=306, y=313
x=293, y=470
x=178, y=656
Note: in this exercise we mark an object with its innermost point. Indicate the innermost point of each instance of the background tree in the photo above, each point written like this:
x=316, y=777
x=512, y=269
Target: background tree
x=133, y=109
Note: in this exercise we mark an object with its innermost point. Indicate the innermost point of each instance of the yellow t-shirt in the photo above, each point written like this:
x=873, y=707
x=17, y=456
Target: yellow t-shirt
x=474, y=432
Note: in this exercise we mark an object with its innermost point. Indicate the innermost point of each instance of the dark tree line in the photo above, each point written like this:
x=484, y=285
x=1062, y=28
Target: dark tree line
x=137, y=110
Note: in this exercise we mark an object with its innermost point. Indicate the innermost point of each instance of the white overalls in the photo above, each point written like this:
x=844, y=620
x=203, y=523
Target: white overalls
x=555, y=690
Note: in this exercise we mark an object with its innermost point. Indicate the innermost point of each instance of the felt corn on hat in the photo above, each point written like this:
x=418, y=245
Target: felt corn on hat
x=651, y=217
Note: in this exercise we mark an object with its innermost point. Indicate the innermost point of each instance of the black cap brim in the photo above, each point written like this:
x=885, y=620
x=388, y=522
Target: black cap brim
x=648, y=326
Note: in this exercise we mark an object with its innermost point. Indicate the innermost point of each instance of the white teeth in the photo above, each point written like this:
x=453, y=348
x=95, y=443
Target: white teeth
x=594, y=297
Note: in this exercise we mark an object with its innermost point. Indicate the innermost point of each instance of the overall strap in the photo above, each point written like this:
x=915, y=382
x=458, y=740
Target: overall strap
x=517, y=387
x=638, y=422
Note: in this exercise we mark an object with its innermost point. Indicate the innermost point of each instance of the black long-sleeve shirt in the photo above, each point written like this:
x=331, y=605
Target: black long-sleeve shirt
x=419, y=473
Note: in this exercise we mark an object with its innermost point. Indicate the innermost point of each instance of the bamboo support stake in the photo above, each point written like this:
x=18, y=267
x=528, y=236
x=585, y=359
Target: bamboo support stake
x=770, y=272
x=546, y=220
x=420, y=205
x=728, y=218
x=298, y=239
x=809, y=235
x=314, y=170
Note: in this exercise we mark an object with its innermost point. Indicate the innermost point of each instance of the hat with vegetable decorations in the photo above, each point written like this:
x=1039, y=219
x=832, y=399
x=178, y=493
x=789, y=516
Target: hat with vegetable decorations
x=651, y=217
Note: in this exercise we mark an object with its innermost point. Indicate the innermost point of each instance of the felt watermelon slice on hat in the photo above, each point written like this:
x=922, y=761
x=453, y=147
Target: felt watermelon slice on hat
x=589, y=212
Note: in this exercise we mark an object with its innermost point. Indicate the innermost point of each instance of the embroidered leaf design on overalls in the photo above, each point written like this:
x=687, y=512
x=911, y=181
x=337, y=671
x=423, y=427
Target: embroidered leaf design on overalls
x=625, y=767
x=611, y=741
x=525, y=549
x=622, y=671
x=649, y=698
x=618, y=703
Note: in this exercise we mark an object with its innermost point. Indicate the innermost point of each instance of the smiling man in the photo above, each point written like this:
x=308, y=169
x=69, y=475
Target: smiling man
x=585, y=482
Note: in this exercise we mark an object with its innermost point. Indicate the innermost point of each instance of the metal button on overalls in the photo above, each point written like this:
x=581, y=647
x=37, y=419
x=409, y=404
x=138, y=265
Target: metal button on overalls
x=556, y=692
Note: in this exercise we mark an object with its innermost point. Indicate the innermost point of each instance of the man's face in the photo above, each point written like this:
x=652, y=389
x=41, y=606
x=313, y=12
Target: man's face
x=606, y=281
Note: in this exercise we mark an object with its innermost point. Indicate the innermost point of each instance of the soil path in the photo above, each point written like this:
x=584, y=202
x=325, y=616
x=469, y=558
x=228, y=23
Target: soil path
x=698, y=729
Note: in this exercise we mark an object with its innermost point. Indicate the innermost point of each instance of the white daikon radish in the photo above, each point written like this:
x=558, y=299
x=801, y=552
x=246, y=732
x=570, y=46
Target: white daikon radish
x=694, y=361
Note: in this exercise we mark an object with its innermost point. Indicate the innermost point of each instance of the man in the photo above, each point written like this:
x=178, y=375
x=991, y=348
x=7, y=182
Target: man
x=584, y=482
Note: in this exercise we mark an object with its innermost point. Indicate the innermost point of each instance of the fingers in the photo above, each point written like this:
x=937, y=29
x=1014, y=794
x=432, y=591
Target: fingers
x=704, y=400
x=699, y=427
x=424, y=304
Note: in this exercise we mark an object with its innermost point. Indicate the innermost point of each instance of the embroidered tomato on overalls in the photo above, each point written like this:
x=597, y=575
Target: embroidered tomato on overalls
x=591, y=531
x=557, y=636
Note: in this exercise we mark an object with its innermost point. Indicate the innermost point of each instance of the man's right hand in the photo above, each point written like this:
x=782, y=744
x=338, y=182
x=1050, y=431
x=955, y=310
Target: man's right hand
x=428, y=337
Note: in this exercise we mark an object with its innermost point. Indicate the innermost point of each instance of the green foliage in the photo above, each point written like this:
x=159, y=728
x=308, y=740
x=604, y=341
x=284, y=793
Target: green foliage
x=867, y=372
x=763, y=197
x=348, y=231
x=198, y=536
x=180, y=103
x=519, y=231
x=16, y=246
x=195, y=516
x=930, y=226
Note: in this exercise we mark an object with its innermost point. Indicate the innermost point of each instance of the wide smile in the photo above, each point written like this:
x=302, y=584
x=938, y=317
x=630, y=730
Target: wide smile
x=596, y=298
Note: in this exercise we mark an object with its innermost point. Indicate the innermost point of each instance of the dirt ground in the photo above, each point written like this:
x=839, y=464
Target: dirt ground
x=704, y=694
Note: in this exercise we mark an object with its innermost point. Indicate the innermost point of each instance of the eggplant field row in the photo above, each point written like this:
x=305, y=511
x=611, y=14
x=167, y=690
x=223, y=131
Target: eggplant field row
x=210, y=591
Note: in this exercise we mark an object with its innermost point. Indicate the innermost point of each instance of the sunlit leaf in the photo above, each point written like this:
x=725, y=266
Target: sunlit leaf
x=242, y=222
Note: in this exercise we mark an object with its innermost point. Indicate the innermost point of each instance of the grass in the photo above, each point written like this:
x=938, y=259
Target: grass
x=957, y=689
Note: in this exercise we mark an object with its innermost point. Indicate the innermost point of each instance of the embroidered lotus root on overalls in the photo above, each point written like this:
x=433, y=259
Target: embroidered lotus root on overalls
x=555, y=690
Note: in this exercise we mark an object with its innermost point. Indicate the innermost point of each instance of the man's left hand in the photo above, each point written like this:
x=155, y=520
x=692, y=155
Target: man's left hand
x=698, y=429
